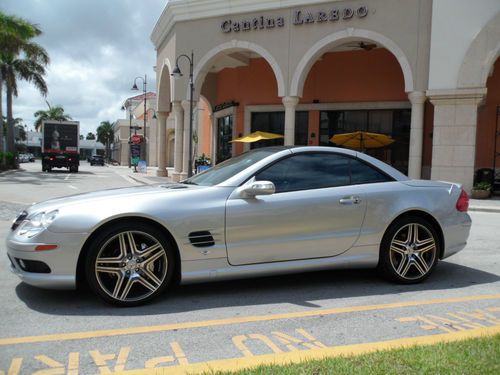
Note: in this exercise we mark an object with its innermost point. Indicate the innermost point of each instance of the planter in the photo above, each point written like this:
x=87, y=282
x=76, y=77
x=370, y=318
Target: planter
x=480, y=194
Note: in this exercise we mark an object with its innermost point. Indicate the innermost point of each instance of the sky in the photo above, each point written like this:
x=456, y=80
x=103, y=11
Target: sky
x=97, y=48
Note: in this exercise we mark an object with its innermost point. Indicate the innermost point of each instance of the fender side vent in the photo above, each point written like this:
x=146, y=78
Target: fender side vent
x=201, y=239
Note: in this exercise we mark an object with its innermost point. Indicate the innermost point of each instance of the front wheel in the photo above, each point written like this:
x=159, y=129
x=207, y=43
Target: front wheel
x=129, y=265
x=409, y=250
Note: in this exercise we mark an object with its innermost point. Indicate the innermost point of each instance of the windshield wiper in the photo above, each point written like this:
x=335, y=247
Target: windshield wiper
x=187, y=182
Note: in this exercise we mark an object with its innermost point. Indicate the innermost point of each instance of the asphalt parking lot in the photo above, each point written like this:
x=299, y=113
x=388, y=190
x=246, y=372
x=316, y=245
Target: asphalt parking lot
x=74, y=332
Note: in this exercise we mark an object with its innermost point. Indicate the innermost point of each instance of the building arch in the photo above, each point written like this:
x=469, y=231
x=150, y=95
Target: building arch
x=341, y=37
x=201, y=69
x=164, y=88
x=481, y=55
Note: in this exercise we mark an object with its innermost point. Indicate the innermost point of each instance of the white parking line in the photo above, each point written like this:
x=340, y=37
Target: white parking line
x=67, y=176
x=73, y=187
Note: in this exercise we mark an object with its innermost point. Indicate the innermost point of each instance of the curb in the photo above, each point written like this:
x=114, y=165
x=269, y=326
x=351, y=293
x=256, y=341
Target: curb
x=484, y=209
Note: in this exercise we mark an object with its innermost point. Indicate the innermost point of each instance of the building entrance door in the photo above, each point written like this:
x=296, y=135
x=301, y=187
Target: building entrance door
x=224, y=149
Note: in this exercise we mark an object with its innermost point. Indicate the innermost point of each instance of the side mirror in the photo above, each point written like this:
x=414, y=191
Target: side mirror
x=257, y=188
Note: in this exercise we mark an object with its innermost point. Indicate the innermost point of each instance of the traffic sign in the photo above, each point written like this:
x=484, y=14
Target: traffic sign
x=136, y=139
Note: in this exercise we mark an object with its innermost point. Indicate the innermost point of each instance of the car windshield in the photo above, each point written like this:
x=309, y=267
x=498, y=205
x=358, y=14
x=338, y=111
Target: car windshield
x=221, y=172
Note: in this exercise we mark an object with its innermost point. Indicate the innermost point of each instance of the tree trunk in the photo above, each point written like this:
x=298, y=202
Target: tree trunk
x=2, y=149
x=10, y=122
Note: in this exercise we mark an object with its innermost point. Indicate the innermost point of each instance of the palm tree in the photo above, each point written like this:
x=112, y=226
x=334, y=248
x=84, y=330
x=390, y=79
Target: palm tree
x=53, y=113
x=20, y=58
x=90, y=136
x=14, y=34
x=105, y=135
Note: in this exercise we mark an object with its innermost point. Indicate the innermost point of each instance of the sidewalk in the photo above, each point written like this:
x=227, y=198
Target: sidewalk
x=144, y=178
x=485, y=205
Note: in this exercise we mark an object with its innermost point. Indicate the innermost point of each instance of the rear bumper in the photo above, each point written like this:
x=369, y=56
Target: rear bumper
x=456, y=235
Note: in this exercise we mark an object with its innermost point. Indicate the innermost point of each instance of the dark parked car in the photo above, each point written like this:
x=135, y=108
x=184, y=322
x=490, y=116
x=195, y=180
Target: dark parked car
x=97, y=160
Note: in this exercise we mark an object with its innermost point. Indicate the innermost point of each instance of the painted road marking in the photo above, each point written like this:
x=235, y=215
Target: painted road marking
x=292, y=343
x=73, y=187
x=239, y=320
x=67, y=176
x=235, y=364
x=249, y=345
x=105, y=363
x=456, y=320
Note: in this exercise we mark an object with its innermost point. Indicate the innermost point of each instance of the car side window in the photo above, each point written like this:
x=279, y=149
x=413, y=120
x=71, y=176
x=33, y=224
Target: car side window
x=307, y=171
x=362, y=173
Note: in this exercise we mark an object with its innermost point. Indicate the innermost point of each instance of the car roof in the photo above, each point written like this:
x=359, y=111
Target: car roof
x=281, y=151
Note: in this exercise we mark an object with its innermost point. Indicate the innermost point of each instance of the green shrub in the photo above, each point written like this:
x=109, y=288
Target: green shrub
x=10, y=160
x=481, y=186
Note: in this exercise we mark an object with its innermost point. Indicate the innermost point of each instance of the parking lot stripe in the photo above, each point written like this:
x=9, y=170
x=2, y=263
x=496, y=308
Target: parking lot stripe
x=234, y=364
x=240, y=320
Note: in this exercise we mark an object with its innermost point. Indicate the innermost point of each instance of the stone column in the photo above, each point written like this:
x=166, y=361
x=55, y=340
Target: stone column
x=417, y=99
x=178, y=143
x=199, y=128
x=161, y=123
x=454, y=135
x=290, y=102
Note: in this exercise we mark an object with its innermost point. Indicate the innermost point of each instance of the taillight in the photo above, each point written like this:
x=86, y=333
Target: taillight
x=463, y=202
x=51, y=158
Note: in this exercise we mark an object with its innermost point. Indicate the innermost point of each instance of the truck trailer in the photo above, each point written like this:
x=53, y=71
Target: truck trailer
x=60, y=145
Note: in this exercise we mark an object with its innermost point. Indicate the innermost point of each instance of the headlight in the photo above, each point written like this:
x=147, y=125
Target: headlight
x=36, y=223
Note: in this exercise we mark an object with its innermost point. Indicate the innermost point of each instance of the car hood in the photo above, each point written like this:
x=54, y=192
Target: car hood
x=111, y=195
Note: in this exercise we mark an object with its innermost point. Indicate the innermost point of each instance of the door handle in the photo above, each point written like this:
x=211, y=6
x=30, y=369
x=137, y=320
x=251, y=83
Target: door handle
x=350, y=200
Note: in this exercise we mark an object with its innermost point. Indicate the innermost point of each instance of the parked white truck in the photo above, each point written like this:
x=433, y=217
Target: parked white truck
x=60, y=145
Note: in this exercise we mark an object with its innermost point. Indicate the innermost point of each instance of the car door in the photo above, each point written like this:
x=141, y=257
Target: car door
x=314, y=213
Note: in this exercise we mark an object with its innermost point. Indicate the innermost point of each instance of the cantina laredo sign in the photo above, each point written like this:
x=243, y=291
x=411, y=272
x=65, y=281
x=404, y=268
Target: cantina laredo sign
x=299, y=17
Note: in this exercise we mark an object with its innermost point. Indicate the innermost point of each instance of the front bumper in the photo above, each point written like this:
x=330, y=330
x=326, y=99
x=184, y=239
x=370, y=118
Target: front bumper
x=61, y=262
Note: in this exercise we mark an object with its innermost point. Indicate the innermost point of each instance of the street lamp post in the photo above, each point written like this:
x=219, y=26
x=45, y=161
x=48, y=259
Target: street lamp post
x=176, y=73
x=144, y=90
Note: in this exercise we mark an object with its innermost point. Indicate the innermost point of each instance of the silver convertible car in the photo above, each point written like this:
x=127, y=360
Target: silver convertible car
x=268, y=211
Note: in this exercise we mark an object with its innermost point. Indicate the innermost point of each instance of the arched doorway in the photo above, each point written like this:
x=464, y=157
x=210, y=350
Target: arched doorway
x=233, y=78
x=357, y=84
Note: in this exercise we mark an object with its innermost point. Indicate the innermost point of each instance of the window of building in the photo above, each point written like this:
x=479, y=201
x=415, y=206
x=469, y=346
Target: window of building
x=392, y=122
x=274, y=122
x=224, y=136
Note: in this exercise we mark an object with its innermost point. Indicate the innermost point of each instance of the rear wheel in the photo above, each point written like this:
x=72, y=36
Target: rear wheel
x=409, y=250
x=130, y=265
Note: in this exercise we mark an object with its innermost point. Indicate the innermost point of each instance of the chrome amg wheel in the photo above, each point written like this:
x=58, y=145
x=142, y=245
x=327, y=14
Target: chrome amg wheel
x=410, y=250
x=130, y=266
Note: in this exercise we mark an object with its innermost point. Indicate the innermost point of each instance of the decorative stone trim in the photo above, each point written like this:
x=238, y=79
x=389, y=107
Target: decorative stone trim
x=200, y=70
x=451, y=96
x=337, y=38
x=186, y=10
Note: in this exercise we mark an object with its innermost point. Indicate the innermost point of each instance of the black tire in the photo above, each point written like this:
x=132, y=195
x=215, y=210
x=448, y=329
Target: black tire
x=409, y=250
x=133, y=280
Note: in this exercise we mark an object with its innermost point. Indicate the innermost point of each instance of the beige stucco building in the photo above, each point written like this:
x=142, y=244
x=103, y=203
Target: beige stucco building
x=134, y=117
x=422, y=71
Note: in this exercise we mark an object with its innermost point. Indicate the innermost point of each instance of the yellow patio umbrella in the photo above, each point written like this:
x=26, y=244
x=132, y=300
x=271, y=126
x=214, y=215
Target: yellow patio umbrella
x=257, y=136
x=361, y=140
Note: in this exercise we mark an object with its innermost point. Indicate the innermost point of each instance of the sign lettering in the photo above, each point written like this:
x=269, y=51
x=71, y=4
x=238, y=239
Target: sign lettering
x=299, y=17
